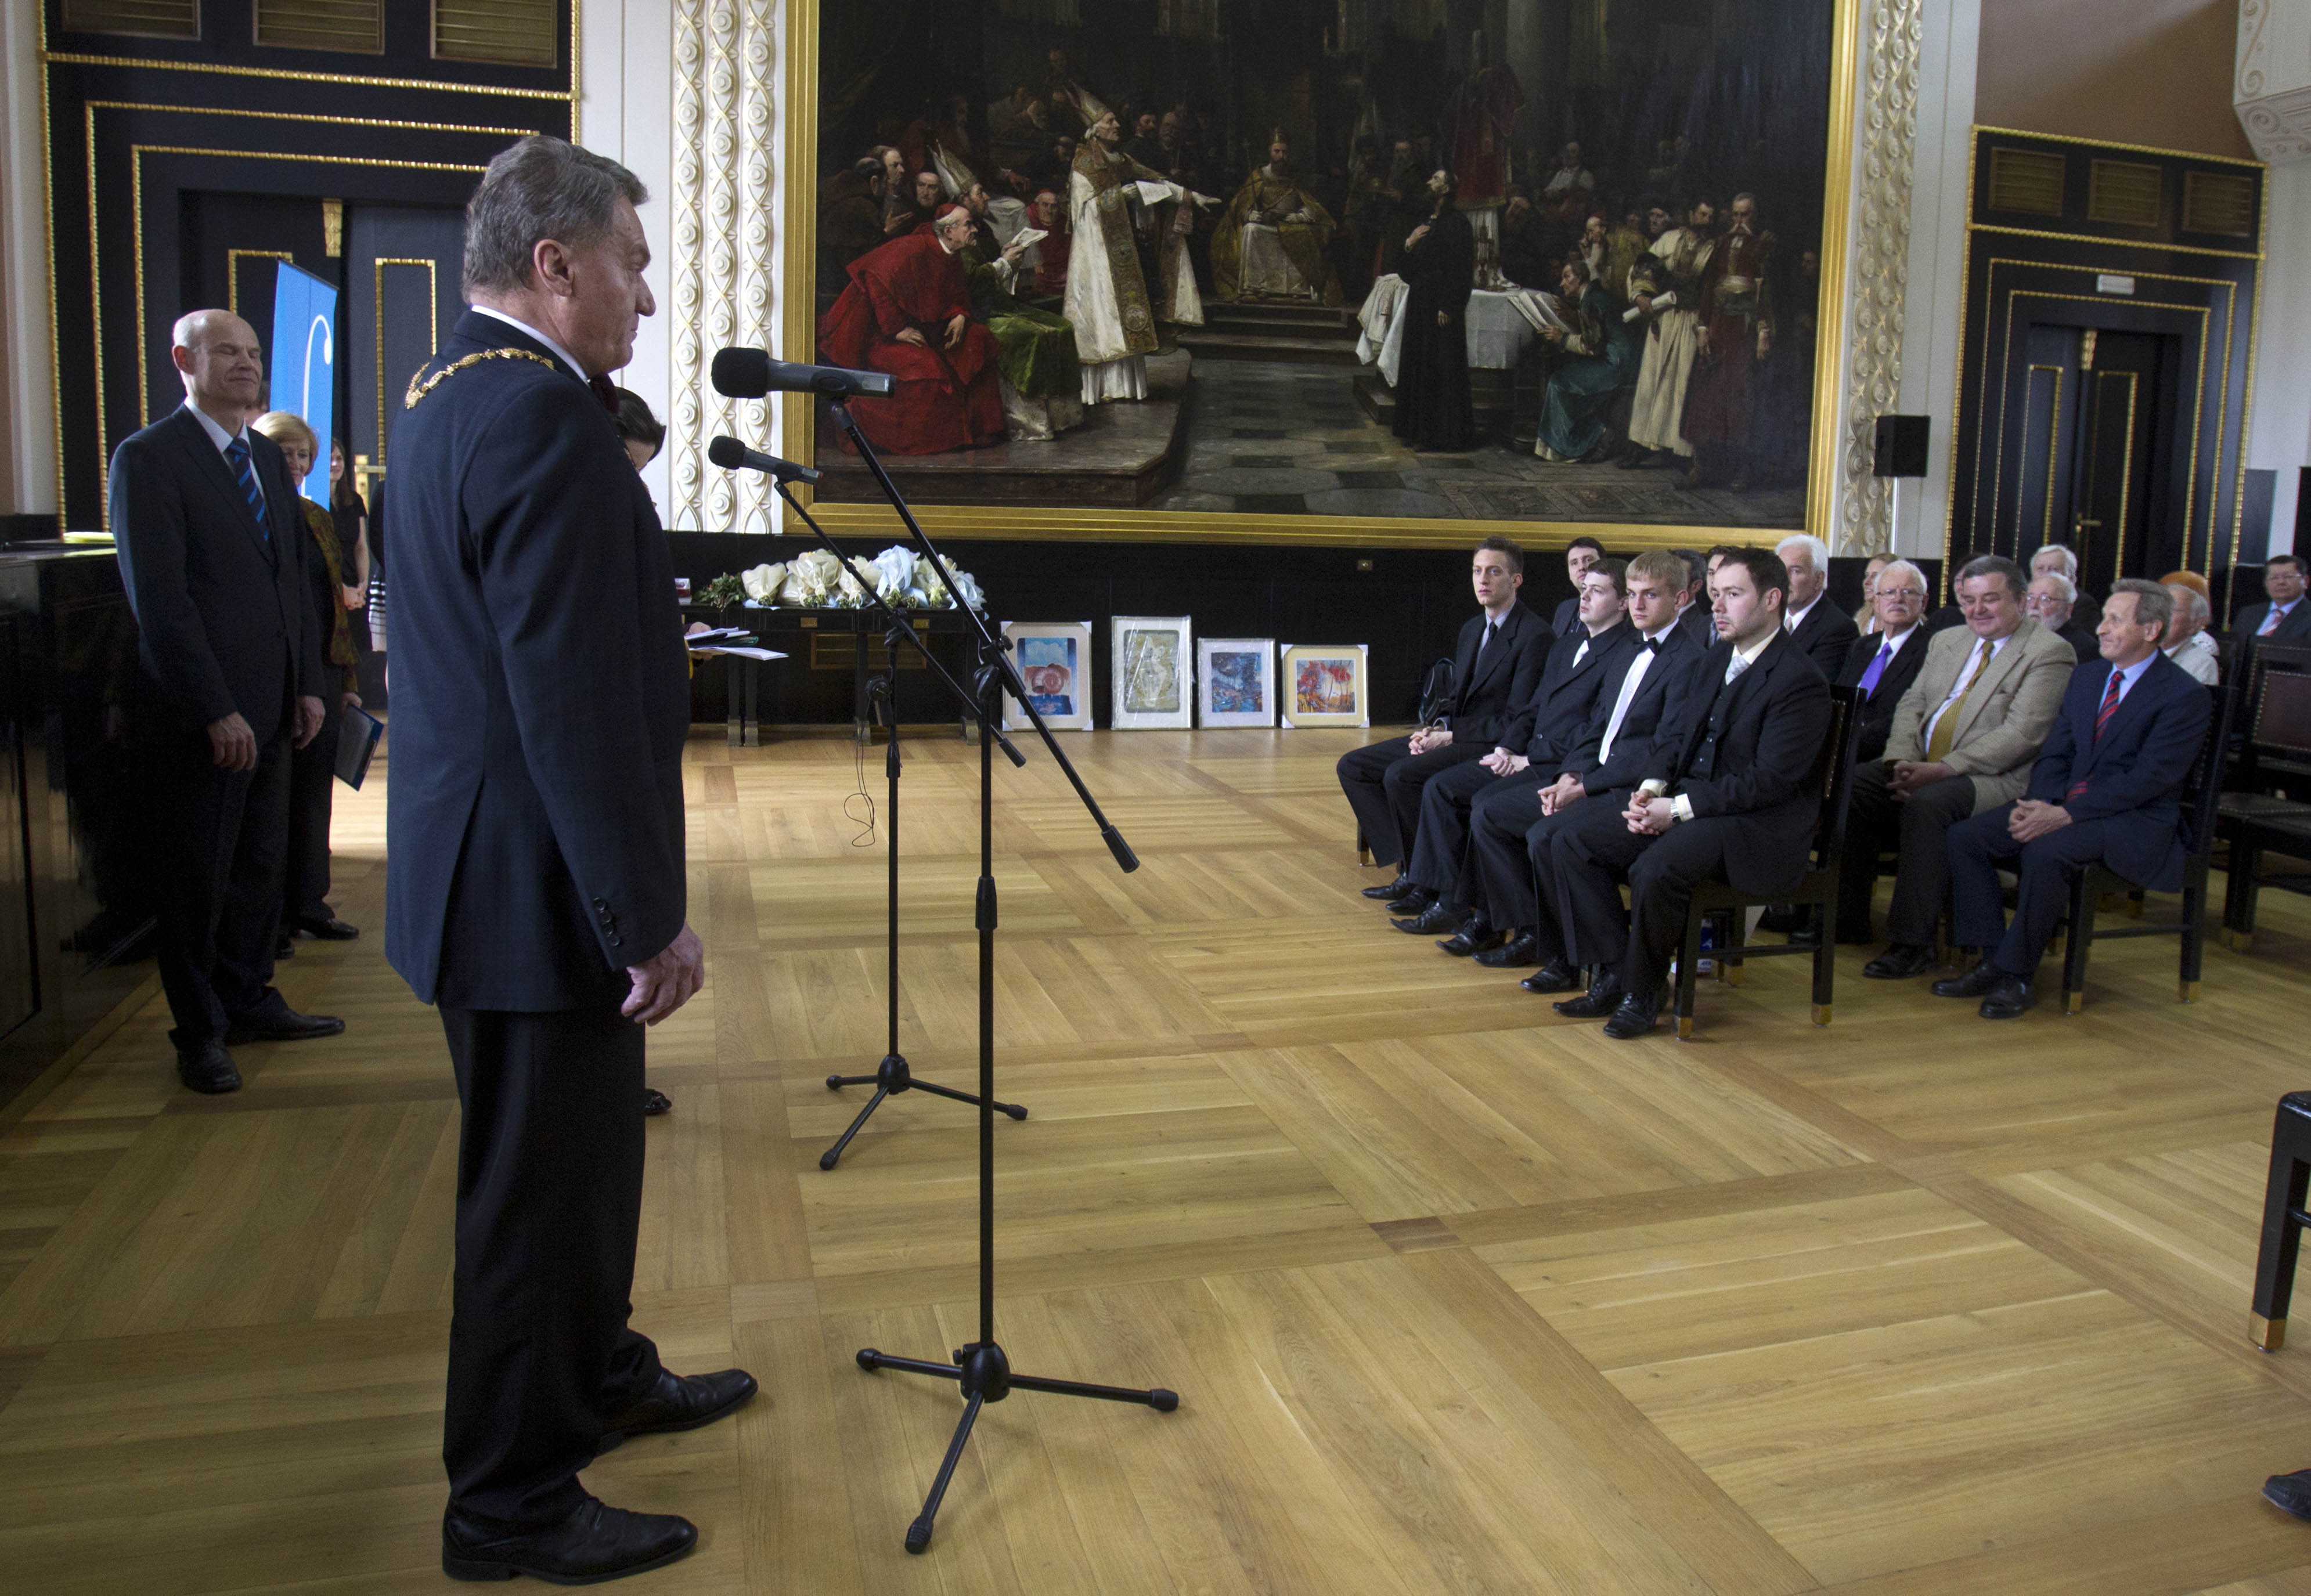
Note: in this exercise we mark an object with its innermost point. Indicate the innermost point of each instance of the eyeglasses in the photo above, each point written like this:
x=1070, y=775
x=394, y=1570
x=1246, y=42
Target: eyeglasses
x=1916, y=595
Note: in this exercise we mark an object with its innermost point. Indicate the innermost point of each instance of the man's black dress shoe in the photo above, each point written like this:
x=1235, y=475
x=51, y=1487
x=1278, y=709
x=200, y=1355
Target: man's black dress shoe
x=1635, y=1016
x=655, y=1103
x=2290, y=1493
x=1900, y=962
x=284, y=1024
x=1977, y=982
x=1391, y=891
x=207, y=1070
x=1601, y=998
x=329, y=929
x=1554, y=976
x=1436, y=917
x=595, y=1543
x=1476, y=935
x=2010, y=999
x=679, y=1402
x=1518, y=950
x=1414, y=901
x=285, y=948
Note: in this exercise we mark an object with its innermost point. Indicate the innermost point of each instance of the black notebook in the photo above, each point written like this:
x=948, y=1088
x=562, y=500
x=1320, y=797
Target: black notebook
x=358, y=731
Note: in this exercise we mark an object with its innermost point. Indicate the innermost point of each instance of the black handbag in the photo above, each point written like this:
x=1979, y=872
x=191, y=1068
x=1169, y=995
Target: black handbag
x=1437, y=692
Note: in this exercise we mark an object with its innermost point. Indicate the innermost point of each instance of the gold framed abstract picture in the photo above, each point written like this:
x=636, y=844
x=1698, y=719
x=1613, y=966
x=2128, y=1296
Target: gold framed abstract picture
x=1151, y=685
x=1381, y=271
x=1324, y=685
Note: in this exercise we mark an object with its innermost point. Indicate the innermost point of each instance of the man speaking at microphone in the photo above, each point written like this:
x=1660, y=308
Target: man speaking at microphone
x=535, y=888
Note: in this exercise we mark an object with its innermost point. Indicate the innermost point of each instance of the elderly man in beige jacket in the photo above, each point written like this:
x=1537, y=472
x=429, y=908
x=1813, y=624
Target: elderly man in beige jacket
x=1963, y=739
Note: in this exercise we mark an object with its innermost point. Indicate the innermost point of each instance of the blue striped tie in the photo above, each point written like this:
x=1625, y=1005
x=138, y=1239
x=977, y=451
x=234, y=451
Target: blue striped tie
x=237, y=452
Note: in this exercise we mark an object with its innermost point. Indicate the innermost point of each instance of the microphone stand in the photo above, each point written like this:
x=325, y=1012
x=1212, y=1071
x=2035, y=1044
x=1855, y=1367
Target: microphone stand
x=892, y=1074
x=981, y=1367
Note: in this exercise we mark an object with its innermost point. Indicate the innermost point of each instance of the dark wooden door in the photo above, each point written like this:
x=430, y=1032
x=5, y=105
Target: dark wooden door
x=2095, y=436
x=234, y=244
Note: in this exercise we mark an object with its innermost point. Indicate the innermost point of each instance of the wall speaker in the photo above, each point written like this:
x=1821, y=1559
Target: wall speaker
x=1901, y=445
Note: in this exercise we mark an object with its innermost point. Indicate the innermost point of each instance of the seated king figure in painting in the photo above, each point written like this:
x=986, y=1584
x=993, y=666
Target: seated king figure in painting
x=1128, y=267
x=1274, y=241
x=907, y=311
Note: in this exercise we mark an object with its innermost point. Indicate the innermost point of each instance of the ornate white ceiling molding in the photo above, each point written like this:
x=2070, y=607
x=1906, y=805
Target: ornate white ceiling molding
x=2271, y=92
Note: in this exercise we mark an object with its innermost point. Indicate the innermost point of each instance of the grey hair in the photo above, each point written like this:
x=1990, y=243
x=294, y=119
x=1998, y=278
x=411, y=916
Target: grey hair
x=2153, y=605
x=1904, y=567
x=1998, y=565
x=1812, y=546
x=541, y=187
x=2065, y=589
x=2070, y=558
x=2200, y=610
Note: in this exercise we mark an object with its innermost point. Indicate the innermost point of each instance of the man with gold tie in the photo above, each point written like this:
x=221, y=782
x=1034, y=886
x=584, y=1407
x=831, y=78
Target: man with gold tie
x=1963, y=740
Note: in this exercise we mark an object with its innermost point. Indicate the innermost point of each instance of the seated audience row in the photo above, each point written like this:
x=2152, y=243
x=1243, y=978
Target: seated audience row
x=1628, y=743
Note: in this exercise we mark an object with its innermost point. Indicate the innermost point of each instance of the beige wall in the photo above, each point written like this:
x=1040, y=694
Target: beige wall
x=2138, y=72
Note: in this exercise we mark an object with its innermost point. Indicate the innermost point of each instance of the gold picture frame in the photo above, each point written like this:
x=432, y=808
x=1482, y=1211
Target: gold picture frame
x=798, y=330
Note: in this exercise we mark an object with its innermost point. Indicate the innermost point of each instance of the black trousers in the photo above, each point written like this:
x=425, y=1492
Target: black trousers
x=1605, y=937
x=2045, y=867
x=1442, y=861
x=312, y=782
x=1495, y=879
x=216, y=843
x=1918, y=829
x=1383, y=781
x=1594, y=852
x=549, y=1201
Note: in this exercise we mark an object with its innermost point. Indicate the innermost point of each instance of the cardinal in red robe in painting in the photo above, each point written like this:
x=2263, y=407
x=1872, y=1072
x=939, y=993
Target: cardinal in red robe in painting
x=907, y=311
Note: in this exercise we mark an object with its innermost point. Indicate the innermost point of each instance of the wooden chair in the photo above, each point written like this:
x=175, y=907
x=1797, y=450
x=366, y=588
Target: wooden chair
x=1833, y=774
x=2201, y=792
x=2283, y=1220
x=2255, y=814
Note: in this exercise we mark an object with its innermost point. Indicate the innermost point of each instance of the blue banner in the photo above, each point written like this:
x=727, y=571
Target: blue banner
x=304, y=361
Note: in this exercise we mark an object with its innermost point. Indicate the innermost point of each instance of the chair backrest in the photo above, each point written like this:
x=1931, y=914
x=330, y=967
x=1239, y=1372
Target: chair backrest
x=2274, y=705
x=1834, y=769
x=2203, y=790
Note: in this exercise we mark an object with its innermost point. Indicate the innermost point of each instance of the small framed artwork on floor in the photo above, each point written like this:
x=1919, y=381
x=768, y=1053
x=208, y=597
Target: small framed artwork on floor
x=1151, y=673
x=1323, y=684
x=1236, y=681
x=1054, y=660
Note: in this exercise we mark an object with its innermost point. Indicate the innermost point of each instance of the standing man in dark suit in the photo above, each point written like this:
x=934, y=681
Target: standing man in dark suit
x=1728, y=793
x=1540, y=734
x=1821, y=631
x=2106, y=788
x=1510, y=826
x=1495, y=666
x=534, y=854
x=212, y=551
x=2282, y=615
x=1580, y=554
x=1694, y=614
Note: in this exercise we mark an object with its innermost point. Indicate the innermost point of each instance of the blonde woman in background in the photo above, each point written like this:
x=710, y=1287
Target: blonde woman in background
x=1867, y=616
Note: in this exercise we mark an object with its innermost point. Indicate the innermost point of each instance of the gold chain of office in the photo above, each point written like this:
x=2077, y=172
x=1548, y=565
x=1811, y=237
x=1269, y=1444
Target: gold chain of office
x=419, y=389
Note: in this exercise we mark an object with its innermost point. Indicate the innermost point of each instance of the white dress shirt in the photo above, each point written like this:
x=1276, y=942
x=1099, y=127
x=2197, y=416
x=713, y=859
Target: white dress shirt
x=1633, y=680
x=224, y=441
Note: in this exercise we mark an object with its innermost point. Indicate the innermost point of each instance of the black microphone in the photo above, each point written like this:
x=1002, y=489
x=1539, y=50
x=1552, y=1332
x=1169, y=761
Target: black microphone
x=750, y=373
x=730, y=455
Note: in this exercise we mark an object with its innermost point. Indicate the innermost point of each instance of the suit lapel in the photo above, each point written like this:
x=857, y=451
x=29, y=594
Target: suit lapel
x=1488, y=661
x=2007, y=660
x=211, y=464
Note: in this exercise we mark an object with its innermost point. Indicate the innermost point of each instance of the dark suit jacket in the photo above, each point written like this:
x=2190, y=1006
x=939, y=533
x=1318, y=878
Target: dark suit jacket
x=1826, y=634
x=540, y=695
x=1547, y=727
x=2134, y=774
x=1660, y=700
x=1484, y=695
x=2083, y=643
x=1567, y=618
x=222, y=619
x=1694, y=624
x=2294, y=627
x=1877, y=709
x=1774, y=717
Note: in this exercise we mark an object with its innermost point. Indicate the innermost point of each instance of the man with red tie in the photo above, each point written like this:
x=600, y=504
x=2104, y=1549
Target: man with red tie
x=2282, y=615
x=2107, y=787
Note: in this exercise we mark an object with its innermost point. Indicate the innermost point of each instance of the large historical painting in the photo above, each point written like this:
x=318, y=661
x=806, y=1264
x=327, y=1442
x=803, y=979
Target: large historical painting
x=1302, y=264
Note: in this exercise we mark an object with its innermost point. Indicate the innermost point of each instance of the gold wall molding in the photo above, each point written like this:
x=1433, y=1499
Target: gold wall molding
x=211, y=68
x=1879, y=280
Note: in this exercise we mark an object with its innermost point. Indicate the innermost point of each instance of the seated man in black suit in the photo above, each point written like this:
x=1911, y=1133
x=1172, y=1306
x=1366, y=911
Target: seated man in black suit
x=1815, y=623
x=1728, y=792
x=1540, y=734
x=2053, y=601
x=2282, y=615
x=1693, y=611
x=1883, y=668
x=1495, y=666
x=1580, y=554
x=1510, y=826
x=2106, y=788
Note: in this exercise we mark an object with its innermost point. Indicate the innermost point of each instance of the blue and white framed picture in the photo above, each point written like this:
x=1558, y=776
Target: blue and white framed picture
x=1054, y=660
x=1235, y=679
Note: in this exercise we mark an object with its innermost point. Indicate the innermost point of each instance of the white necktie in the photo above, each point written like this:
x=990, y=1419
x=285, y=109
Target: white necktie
x=1581, y=653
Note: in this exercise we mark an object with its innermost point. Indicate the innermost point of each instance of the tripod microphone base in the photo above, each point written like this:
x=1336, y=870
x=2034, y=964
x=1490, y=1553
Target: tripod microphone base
x=984, y=1372
x=890, y=1076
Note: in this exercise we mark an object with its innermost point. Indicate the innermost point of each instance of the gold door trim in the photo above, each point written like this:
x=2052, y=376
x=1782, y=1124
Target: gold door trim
x=800, y=207
x=2053, y=447
x=218, y=111
x=2126, y=462
x=2105, y=144
x=233, y=259
x=363, y=80
x=2087, y=238
x=377, y=319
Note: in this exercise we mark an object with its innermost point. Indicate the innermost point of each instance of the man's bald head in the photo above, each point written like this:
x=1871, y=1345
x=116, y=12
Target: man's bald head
x=218, y=355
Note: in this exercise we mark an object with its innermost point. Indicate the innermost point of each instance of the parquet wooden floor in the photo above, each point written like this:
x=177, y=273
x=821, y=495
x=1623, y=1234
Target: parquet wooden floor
x=1459, y=1296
